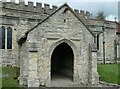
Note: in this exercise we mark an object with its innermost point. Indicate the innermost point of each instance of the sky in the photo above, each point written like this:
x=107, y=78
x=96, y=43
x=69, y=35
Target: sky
x=109, y=7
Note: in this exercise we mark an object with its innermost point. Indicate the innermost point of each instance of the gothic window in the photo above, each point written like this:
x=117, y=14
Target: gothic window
x=9, y=38
x=2, y=37
x=5, y=38
x=98, y=41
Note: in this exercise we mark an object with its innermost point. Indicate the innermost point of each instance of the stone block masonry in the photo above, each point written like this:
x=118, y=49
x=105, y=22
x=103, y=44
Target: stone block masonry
x=47, y=41
x=36, y=10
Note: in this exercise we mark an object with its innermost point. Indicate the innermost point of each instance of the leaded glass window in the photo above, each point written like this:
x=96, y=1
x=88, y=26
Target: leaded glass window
x=2, y=37
x=9, y=38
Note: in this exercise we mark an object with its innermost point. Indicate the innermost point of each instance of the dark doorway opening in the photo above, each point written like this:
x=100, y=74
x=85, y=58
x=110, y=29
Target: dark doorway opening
x=62, y=62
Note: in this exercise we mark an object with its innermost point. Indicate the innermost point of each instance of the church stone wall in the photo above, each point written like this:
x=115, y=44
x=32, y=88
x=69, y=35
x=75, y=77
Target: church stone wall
x=118, y=47
x=109, y=38
x=19, y=26
x=23, y=17
x=46, y=37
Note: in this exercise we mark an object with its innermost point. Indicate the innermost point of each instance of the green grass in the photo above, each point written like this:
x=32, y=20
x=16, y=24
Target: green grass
x=0, y=70
x=0, y=78
x=11, y=80
x=109, y=73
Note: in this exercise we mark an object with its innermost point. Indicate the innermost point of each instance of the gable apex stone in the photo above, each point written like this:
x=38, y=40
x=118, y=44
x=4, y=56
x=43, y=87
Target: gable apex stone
x=70, y=9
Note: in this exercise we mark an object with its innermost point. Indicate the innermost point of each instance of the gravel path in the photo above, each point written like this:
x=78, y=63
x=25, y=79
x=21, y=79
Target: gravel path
x=63, y=81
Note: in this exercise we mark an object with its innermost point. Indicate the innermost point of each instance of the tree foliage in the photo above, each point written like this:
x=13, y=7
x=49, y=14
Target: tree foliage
x=100, y=15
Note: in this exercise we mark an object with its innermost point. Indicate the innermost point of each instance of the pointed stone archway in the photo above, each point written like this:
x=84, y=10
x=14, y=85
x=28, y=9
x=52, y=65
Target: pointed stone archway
x=62, y=62
x=61, y=44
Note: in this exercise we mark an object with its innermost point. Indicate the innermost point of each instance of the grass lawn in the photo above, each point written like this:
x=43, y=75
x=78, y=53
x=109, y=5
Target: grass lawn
x=0, y=78
x=11, y=79
x=109, y=73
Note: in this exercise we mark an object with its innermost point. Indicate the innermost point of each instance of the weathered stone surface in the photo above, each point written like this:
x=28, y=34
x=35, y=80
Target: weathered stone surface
x=34, y=54
x=54, y=31
x=21, y=18
x=33, y=82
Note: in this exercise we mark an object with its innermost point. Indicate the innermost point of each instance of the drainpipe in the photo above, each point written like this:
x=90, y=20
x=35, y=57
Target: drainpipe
x=103, y=28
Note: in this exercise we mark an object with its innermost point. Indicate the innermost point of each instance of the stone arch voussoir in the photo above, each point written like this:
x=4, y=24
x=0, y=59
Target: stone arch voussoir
x=69, y=42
